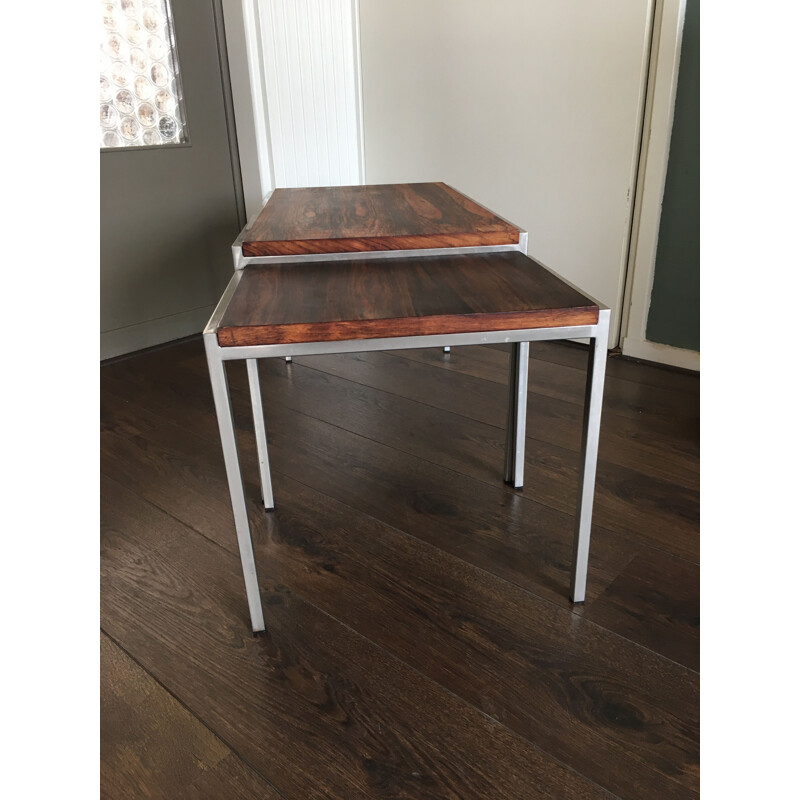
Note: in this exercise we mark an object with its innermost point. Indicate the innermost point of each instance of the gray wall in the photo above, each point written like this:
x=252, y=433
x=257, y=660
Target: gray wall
x=168, y=215
x=674, y=317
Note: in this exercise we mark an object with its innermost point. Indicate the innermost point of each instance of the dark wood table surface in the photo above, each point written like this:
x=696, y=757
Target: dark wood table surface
x=404, y=296
x=350, y=219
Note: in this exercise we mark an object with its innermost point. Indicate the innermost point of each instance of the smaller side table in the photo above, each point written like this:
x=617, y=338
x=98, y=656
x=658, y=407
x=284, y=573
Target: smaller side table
x=405, y=301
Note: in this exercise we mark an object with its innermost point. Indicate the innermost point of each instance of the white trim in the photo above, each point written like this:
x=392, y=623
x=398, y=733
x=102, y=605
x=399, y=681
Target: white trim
x=659, y=112
x=615, y=333
x=245, y=61
x=662, y=354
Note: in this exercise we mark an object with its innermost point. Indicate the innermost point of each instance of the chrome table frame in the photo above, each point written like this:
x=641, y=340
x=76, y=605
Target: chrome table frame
x=515, y=436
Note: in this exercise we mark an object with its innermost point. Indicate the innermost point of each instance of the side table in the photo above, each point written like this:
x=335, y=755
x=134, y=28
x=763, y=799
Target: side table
x=349, y=269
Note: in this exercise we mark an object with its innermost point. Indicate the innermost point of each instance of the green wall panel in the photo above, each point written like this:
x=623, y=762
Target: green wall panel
x=674, y=317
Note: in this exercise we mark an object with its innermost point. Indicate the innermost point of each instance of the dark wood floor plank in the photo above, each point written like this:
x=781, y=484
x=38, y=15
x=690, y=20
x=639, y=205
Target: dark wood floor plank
x=231, y=779
x=315, y=707
x=416, y=495
x=392, y=530
x=129, y=532
x=172, y=469
x=653, y=509
x=623, y=399
x=525, y=542
x=171, y=353
x=659, y=512
x=376, y=581
x=655, y=602
x=519, y=659
x=150, y=745
x=574, y=354
x=332, y=399
x=627, y=442
x=666, y=415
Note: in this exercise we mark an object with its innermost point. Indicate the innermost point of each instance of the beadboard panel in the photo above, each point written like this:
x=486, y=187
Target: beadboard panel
x=312, y=83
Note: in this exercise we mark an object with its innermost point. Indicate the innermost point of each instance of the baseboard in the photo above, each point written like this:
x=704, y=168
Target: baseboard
x=155, y=331
x=662, y=354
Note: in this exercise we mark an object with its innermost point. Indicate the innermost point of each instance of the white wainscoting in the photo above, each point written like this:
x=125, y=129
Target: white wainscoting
x=312, y=85
x=296, y=75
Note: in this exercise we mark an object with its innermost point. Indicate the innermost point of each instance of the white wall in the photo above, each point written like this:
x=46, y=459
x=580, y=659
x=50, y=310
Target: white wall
x=533, y=108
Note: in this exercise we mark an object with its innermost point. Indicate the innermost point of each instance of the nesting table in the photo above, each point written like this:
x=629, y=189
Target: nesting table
x=390, y=267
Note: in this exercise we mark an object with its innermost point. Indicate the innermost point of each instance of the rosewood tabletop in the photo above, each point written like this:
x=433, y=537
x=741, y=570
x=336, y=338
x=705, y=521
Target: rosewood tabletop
x=406, y=296
x=348, y=219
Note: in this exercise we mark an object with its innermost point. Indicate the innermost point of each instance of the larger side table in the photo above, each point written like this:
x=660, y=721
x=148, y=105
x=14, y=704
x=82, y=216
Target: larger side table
x=348, y=269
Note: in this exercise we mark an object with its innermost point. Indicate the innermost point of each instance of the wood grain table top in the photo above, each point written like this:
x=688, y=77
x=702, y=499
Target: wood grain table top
x=352, y=219
x=404, y=296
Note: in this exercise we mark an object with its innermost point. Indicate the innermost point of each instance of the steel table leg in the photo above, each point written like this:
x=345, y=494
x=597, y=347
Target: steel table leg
x=261, y=434
x=517, y=408
x=593, y=404
x=222, y=401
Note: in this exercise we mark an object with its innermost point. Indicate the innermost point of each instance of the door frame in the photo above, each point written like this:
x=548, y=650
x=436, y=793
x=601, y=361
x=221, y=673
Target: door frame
x=659, y=112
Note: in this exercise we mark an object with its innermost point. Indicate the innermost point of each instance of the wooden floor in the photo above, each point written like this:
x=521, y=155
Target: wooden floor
x=420, y=643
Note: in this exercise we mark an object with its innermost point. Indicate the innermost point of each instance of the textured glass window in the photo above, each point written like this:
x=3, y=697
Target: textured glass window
x=141, y=98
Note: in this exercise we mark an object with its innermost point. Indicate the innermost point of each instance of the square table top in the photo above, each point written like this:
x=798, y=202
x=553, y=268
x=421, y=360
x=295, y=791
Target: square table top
x=404, y=296
x=352, y=219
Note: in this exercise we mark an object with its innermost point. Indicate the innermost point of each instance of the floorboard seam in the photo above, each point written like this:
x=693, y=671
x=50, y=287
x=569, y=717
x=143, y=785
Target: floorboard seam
x=616, y=355
x=372, y=643
x=192, y=713
x=240, y=430
x=411, y=535
x=528, y=436
x=531, y=390
x=401, y=532
x=133, y=419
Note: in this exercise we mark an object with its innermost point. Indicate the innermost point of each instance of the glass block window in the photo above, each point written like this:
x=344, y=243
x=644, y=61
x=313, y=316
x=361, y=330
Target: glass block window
x=141, y=97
